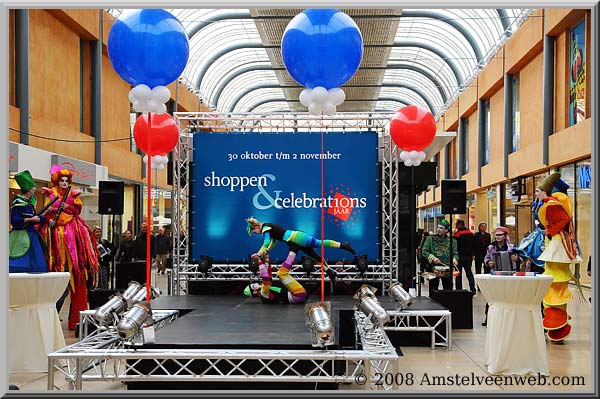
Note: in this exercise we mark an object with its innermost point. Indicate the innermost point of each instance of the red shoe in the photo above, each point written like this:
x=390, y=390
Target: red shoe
x=560, y=334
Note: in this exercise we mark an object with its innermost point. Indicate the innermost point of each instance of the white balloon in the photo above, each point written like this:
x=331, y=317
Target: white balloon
x=145, y=159
x=132, y=95
x=336, y=95
x=165, y=159
x=319, y=95
x=160, y=167
x=160, y=109
x=152, y=106
x=416, y=163
x=413, y=155
x=403, y=155
x=161, y=94
x=408, y=162
x=142, y=92
x=315, y=109
x=422, y=156
x=305, y=98
x=329, y=108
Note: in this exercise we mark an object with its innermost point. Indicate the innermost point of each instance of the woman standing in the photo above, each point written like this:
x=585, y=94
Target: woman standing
x=126, y=251
x=27, y=253
x=71, y=245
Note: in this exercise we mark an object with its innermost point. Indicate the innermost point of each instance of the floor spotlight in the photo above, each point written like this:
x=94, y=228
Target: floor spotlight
x=400, y=295
x=319, y=321
x=252, y=264
x=130, y=292
x=370, y=306
x=205, y=264
x=105, y=314
x=362, y=263
x=132, y=321
x=140, y=296
x=308, y=264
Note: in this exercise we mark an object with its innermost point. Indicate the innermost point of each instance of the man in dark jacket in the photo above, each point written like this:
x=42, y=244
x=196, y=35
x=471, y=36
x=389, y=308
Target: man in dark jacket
x=466, y=252
x=482, y=242
x=163, y=248
x=140, y=244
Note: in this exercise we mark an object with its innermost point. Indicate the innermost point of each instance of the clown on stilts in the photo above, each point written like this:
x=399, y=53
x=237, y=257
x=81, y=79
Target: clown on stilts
x=560, y=251
x=71, y=245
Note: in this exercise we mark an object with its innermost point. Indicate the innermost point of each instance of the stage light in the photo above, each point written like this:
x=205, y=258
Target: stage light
x=370, y=306
x=205, y=264
x=105, y=314
x=319, y=321
x=362, y=263
x=130, y=292
x=132, y=321
x=400, y=295
x=308, y=264
x=252, y=264
x=140, y=296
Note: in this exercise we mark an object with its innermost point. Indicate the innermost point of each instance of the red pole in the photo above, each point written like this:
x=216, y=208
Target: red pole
x=323, y=210
x=149, y=214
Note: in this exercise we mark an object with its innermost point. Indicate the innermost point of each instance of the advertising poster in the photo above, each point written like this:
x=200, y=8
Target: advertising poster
x=577, y=74
x=276, y=178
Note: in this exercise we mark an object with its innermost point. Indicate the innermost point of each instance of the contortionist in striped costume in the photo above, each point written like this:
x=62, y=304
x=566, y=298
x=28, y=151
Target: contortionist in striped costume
x=296, y=240
x=560, y=251
x=293, y=292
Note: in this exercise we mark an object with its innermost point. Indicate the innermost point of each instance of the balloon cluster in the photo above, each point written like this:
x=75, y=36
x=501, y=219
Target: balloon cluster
x=145, y=99
x=320, y=100
x=412, y=158
x=158, y=161
x=322, y=49
x=412, y=129
x=149, y=49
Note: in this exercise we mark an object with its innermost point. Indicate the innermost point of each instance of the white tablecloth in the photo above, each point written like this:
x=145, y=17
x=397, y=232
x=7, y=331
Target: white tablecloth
x=34, y=328
x=515, y=342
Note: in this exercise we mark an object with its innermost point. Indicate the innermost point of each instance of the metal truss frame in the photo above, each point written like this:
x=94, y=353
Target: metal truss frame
x=160, y=318
x=416, y=320
x=92, y=362
x=191, y=123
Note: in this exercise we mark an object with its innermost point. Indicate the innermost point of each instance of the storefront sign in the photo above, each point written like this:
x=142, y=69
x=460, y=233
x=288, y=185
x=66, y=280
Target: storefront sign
x=577, y=74
x=13, y=157
x=83, y=172
x=491, y=193
x=585, y=176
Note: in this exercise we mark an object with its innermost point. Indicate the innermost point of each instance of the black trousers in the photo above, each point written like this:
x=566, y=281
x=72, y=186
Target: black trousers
x=479, y=264
x=446, y=283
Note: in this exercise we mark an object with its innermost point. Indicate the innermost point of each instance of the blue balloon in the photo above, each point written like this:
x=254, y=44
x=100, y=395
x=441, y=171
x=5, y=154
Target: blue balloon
x=322, y=47
x=148, y=46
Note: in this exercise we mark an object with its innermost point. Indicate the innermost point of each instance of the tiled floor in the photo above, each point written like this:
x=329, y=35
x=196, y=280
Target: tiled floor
x=572, y=359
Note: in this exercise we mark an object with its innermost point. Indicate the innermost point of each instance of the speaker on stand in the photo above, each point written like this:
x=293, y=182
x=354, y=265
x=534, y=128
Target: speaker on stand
x=110, y=202
x=454, y=201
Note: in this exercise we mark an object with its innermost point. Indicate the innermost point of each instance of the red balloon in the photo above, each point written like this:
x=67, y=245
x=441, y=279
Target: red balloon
x=157, y=138
x=412, y=128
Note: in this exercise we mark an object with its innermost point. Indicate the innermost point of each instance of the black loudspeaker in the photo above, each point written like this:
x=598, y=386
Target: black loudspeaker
x=454, y=196
x=130, y=271
x=425, y=174
x=459, y=302
x=110, y=199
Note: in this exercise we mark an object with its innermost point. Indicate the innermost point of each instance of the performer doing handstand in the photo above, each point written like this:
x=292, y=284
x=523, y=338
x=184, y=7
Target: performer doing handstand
x=296, y=241
x=293, y=292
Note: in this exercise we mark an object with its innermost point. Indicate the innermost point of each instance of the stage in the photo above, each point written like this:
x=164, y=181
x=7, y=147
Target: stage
x=235, y=342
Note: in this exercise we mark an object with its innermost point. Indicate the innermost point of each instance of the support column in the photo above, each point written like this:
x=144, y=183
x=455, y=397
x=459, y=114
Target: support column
x=22, y=71
x=548, y=93
x=481, y=137
x=508, y=119
x=96, y=108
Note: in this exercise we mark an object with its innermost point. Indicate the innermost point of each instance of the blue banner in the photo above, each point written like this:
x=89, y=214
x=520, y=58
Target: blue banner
x=276, y=178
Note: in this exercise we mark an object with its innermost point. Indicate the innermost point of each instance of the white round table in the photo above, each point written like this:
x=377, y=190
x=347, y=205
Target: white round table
x=515, y=341
x=34, y=328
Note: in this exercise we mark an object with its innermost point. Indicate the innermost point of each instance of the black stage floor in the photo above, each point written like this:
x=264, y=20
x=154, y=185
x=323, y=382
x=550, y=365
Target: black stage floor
x=208, y=321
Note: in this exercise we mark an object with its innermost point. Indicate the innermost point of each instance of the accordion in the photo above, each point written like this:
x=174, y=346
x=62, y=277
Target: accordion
x=502, y=262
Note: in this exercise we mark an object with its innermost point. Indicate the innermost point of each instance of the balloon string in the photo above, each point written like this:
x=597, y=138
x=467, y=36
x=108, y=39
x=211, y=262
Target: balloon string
x=323, y=209
x=149, y=214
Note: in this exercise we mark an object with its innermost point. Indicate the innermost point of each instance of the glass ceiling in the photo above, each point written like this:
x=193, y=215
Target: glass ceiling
x=435, y=55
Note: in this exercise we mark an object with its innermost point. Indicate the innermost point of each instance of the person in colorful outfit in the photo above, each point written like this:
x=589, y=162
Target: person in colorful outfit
x=560, y=251
x=291, y=292
x=71, y=245
x=296, y=241
x=26, y=247
x=436, y=250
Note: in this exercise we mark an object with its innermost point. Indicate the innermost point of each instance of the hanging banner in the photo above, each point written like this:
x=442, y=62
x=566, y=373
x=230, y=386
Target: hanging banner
x=577, y=74
x=276, y=178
